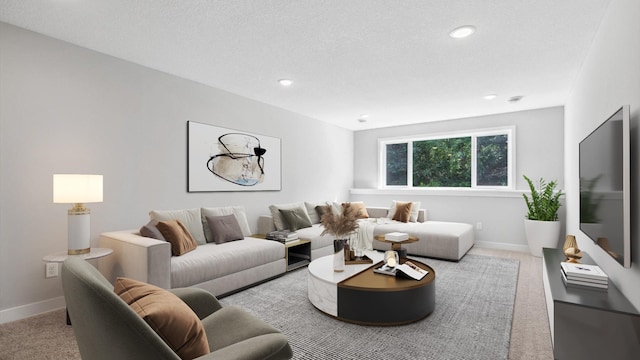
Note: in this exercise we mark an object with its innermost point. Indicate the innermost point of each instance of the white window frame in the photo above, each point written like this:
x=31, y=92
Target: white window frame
x=510, y=131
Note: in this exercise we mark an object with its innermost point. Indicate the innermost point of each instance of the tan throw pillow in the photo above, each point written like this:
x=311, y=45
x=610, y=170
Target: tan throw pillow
x=171, y=318
x=177, y=234
x=191, y=219
x=415, y=210
x=403, y=211
x=358, y=206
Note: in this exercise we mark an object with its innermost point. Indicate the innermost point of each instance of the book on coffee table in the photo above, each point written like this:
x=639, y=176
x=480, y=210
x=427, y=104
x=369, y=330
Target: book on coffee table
x=408, y=270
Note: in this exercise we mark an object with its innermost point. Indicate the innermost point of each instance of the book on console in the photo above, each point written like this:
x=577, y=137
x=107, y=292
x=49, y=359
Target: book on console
x=408, y=270
x=587, y=280
x=583, y=284
x=584, y=272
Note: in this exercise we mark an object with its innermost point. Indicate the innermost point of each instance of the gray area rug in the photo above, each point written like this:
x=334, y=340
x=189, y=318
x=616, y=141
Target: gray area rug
x=472, y=318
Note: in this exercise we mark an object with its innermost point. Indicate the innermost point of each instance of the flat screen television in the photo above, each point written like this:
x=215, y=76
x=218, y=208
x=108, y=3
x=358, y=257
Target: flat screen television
x=605, y=214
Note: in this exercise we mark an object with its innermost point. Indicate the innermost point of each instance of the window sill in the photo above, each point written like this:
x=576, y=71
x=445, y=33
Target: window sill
x=507, y=193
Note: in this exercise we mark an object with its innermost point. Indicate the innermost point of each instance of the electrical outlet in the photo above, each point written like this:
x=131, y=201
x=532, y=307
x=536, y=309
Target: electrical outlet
x=51, y=270
x=478, y=225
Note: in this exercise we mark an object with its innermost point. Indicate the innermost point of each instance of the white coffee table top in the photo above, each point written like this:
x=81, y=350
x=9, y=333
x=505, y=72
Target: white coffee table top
x=323, y=281
x=322, y=268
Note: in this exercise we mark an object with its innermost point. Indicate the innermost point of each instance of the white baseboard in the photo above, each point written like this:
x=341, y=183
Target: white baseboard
x=25, y=311
x=502, y=246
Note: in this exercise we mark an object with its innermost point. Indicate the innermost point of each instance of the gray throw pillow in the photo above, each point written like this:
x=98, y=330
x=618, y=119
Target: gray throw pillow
x=224, y=228
x=296, y=219
x=150, y=230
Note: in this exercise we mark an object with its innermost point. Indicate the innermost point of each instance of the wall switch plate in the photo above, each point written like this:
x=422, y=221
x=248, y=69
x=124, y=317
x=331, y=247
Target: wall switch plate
x=51, y=270
x=478, y=226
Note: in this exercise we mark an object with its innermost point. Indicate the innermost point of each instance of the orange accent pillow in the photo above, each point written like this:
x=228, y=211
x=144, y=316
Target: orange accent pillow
x=171, y=318
x=358, y=206
x=177, y=234
x=403, y=211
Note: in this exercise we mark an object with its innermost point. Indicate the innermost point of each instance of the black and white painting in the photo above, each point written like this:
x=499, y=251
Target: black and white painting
x=221, y=159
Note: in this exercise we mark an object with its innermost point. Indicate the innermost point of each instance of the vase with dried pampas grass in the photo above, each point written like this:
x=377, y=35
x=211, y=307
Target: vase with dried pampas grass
x=341, y=226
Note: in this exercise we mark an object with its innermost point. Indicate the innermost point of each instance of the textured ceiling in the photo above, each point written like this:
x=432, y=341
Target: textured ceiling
x=392, y=60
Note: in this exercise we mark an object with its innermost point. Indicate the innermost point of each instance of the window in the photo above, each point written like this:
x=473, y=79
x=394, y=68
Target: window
x=475, y=159
x=397, y=164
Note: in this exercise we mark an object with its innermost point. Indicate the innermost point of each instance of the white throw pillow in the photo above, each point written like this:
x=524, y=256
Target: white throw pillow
x=312, y=212
x=278, y=220
x=238, y=211
x=189, y=217
x=415, y=208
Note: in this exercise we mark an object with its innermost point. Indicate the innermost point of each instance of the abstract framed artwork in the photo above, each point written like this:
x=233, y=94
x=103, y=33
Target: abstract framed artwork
x=221, y=159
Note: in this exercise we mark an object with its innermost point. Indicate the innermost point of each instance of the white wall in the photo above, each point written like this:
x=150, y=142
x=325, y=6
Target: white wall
x=609, y=78
x=539, y=153
x=68, y=109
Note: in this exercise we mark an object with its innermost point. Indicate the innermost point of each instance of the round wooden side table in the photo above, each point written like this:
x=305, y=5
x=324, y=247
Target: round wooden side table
x=397, y=245
x=60, y=257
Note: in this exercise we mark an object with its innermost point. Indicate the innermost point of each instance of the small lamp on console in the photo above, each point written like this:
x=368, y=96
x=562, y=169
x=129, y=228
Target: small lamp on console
x=77, y=189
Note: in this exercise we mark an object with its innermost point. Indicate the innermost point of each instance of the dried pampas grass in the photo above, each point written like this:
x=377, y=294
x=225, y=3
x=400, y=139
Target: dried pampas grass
x=340, y=225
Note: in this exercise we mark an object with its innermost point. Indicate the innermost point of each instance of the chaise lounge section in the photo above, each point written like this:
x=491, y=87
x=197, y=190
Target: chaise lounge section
x=437, y=239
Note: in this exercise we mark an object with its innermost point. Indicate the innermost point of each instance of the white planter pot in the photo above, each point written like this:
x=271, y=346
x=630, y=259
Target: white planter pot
x=541, y=234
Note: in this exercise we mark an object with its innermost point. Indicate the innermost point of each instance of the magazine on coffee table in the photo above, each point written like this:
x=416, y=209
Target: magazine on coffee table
x=408, y=269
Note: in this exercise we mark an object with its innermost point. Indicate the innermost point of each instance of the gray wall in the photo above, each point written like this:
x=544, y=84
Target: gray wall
x=609, y=78
x=68, y=109
x=539, y=153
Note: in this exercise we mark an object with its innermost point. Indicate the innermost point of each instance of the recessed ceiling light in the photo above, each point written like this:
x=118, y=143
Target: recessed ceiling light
x=462, y=31
x=515, y=99
x=285, y=82
x=363, y=118
x=490, y=96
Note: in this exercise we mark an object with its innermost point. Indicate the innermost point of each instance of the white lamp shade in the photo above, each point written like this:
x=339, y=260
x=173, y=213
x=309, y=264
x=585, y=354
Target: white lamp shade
x=77, y=188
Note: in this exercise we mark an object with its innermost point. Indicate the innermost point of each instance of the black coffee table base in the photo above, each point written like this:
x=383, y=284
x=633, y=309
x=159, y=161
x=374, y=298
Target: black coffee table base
x=368, y=307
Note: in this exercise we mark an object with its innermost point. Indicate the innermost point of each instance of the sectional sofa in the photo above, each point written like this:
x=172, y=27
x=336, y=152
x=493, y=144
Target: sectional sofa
x=437, y=239
x=220, y=267
x=225, y=258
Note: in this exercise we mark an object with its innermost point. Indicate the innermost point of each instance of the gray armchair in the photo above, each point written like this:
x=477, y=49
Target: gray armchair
x=107, y=328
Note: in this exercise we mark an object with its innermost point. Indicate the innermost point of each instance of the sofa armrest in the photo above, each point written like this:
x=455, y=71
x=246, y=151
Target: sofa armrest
x=265, y=224
x=136, y=257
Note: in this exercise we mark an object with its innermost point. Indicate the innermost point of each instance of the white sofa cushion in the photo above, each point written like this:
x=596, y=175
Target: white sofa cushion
x=189, y=217
x=211, y=261
x=238, y=211
x=313, y=233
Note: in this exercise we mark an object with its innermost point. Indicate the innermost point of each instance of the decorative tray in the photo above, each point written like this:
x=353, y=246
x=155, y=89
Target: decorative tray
x=359, y=260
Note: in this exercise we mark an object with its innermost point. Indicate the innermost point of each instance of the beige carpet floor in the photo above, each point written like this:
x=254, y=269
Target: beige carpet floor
x=47, y=336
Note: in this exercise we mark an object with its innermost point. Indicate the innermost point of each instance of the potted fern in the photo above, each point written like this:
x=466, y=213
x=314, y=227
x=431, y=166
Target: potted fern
x=542, y=227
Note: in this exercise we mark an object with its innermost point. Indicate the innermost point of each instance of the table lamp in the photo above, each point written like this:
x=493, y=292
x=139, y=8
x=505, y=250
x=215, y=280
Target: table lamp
x=77, y=189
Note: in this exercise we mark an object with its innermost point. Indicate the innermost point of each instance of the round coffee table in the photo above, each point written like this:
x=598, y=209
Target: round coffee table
x=397, y=245
x=361, y=296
